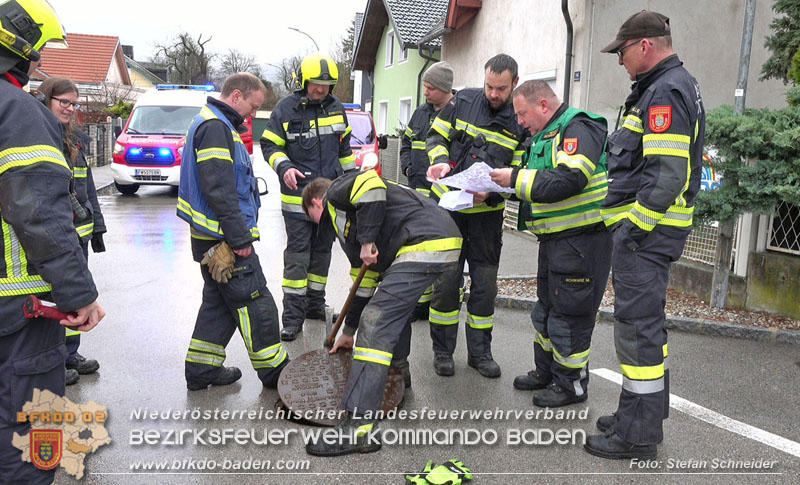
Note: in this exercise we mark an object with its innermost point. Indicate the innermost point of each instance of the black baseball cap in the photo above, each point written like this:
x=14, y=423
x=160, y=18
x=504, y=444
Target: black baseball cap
x=640, y=25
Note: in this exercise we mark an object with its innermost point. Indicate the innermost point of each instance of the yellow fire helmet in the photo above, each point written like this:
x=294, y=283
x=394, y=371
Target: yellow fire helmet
x=319, y=68
x=25, y=27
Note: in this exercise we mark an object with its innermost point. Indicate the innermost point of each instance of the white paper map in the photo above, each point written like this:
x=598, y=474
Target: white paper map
x=476, y=178
x=455, y=200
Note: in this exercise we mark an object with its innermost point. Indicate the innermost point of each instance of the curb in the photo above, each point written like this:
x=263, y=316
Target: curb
x=107, y=189
x=691, y=325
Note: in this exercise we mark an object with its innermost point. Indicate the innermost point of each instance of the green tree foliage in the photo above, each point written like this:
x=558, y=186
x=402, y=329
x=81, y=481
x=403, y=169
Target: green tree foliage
x=121, y=109
x=343, y=55
x=760, y=150
x=784, y=41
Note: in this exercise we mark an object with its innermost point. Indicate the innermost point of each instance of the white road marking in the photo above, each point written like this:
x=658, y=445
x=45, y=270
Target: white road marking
x=717, y=419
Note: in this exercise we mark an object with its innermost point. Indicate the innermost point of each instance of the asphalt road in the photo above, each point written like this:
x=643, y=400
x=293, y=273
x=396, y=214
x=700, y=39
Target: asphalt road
x=150, y=288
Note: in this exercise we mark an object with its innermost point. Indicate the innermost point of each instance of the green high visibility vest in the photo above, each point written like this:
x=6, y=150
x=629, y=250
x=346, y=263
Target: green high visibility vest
x=579, y=210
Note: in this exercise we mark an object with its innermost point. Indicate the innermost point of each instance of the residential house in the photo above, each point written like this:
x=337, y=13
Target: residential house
x=95, y=63
x=388, y=49
x=707, y=38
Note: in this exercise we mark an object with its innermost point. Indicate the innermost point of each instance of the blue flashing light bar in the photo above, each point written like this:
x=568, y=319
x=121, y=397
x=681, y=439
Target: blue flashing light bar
x=352, y=106
x=195, y=87
x=156, y=155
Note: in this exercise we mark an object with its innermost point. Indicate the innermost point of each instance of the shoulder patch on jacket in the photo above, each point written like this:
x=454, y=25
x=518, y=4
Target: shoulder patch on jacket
x=570, y=145
x=660, y=118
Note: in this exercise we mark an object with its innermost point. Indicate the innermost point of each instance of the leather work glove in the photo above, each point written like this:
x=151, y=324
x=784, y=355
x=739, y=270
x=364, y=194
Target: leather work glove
x=97, y=243
x=220, y=259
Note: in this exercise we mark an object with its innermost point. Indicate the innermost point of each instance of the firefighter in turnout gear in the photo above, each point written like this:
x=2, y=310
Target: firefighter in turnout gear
x=476, y=125
x=43, y=256
x=561, y=189
x=60, y=95
x=218, y=197
x=307, y=137
x=438, y=84
x=654, y=167
x=408, y=243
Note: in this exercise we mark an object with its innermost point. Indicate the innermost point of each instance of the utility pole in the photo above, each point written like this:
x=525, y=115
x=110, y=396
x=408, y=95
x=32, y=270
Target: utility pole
x=722, y=260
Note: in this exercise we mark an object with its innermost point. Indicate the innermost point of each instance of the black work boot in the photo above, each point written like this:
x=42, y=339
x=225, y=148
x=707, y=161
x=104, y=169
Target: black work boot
x=556, y=396
x=611, y=445
x=532, y=381
x=402, y=366
x=228, y=375
x=443, y=365
x=350, y=436
x=604, y=423
x=485, y=365
x=83, y=365
x=72, y=377
x=290, y=333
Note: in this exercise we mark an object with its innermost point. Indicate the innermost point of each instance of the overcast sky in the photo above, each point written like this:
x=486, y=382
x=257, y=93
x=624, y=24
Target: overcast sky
x=255, y=27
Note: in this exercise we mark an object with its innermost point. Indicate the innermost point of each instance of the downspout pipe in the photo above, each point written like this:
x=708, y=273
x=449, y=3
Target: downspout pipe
x=428, y=59
x=568, y=61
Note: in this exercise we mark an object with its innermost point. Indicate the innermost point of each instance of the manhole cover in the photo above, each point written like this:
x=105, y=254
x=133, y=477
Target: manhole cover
x=313, y=385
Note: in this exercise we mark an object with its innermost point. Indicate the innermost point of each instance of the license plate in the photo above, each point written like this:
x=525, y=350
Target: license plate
x=148, y=171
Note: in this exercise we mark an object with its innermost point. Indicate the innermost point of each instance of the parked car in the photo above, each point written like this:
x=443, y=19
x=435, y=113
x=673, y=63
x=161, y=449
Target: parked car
x=364, y=141
x=149, y=149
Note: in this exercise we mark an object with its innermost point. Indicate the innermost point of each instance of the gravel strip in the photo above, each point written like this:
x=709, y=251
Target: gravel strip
x=678, y=305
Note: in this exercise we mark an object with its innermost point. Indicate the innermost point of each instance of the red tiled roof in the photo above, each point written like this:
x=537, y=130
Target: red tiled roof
x=87, y=60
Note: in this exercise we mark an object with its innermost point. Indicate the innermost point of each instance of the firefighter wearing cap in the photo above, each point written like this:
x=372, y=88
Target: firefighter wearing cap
x=307, y=137
x=654, y=167
x=561, y=189
x=476, y=125
x=408, y=243
x=437, y=86
x=43, y=256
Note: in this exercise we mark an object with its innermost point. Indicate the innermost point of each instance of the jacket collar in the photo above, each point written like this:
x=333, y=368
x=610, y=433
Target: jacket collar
x=235, y=118
x=645, y=79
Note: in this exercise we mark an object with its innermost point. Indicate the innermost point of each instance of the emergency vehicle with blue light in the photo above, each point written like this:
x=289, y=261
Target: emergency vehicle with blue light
x=149, y=149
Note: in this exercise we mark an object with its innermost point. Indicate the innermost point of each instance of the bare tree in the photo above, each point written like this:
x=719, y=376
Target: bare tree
x=187, y=59
x=288, y=73
x=237, y=61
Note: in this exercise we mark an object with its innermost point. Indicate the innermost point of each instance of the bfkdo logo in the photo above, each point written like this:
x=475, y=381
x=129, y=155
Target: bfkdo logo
x=46, y=447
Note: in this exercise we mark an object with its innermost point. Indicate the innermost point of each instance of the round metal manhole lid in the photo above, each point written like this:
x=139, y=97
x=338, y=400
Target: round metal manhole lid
x=312, y=386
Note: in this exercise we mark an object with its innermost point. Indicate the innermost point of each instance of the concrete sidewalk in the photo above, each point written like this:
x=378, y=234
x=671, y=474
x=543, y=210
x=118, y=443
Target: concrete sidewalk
x=103, y=180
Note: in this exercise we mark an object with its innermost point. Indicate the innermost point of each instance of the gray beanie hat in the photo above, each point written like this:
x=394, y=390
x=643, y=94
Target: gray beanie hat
x=440, y=75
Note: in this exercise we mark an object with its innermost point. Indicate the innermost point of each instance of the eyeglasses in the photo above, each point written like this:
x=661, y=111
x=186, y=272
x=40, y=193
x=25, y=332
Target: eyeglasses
x=64, y=103
x=621, y=49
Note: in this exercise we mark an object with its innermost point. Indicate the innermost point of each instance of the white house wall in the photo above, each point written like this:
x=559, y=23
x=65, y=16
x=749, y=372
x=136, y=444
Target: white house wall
x=532, y=32
x=706, y=36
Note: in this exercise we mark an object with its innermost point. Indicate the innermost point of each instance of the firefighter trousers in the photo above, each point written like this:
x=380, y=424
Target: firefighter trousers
x=573, y=272
x=483, y=238
x=640, y=277
x=244, y=303
x=305, y=269
x=73, y=337
x=30, y=358
x=383, y=321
